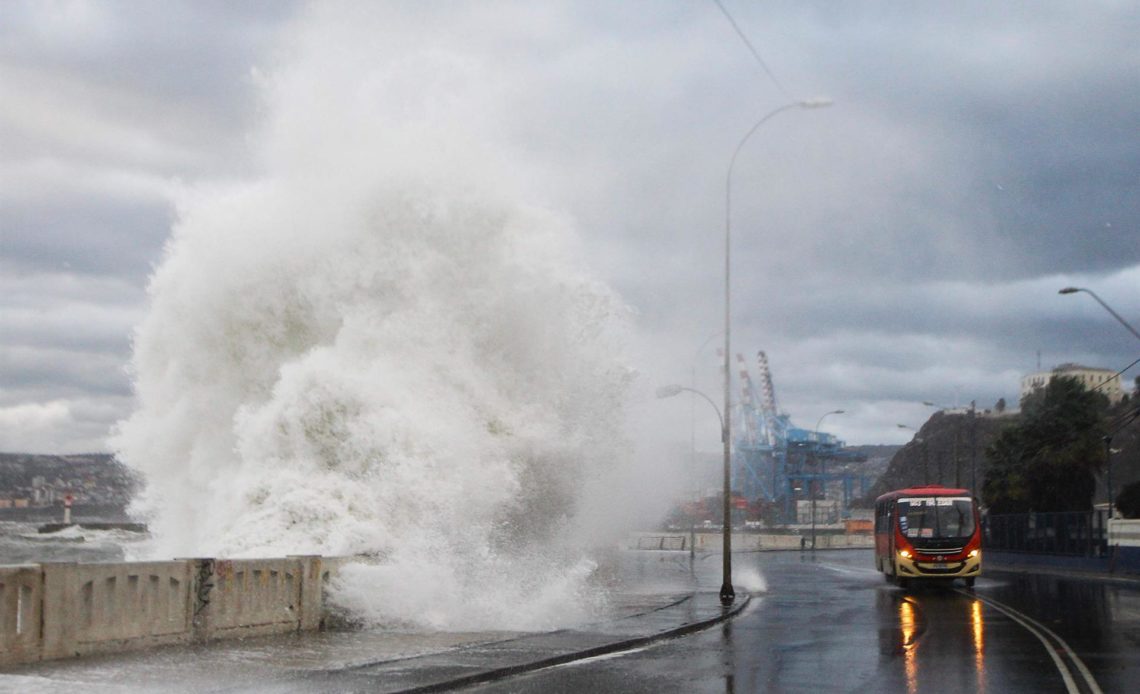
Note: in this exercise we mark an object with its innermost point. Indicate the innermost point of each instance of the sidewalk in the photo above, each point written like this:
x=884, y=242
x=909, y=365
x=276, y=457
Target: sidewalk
x=1068, y=567
x=373, y=660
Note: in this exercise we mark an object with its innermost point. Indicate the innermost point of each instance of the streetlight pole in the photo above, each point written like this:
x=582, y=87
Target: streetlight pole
x=811, y=487
x=693, y=432
x=693, y=411
x=1074, y=290
x=973, y=448
x=727, y=594
x=1108, y=470
x=938, y=460
x=922, y=442
x=671, y=390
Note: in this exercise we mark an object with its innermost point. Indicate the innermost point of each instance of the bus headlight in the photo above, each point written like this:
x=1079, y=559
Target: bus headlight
x=975, y=553
x=904, y=554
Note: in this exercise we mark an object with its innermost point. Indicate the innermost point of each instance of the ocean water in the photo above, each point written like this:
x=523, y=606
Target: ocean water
x=21, y=543
x=381, y=344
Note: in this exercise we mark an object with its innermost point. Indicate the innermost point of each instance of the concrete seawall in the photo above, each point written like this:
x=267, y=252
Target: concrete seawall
x=66, y=609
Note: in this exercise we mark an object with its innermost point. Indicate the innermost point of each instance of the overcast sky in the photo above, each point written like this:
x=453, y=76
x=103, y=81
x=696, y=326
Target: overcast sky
x=904, y=245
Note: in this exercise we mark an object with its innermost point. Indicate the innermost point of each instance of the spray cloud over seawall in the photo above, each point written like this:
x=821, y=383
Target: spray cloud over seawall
x=377, y=348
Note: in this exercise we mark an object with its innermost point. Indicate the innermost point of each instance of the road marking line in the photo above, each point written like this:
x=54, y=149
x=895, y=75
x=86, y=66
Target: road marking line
x=1032, y=626
x=1089, y=679
x=856, y=570
x=606, y=656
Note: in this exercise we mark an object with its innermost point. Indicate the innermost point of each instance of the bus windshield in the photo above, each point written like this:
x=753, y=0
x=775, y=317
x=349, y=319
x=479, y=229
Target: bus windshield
x=936, y=516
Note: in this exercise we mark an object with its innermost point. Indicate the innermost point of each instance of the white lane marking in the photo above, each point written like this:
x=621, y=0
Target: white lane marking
x=1032, y=626
x=597, y=658
x=1089, y=679
x=1066, y=674
x=841, y=569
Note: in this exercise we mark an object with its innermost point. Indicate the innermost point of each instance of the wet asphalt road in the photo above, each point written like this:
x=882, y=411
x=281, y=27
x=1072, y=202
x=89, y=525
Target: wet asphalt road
x=815, y=623
x=829, y=623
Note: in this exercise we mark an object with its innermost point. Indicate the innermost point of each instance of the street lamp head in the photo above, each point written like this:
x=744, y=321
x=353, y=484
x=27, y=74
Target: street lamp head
x=669, y=391
x=825, y=415
x=817, y=102
x=1117, y=316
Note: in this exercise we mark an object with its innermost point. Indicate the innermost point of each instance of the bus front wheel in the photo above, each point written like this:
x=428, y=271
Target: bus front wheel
x=970, y=581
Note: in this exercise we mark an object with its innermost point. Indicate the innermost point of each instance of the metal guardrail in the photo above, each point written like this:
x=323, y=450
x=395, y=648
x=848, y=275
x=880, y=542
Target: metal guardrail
x=666, y=542
x=1077, y=534
x=1124, y=532
x=746, y=541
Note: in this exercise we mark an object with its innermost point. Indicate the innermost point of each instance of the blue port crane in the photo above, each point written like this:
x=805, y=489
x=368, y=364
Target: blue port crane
x=776, y=462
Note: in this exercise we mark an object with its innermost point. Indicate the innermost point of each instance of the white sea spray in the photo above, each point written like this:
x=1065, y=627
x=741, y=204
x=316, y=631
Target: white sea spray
x=380, y=347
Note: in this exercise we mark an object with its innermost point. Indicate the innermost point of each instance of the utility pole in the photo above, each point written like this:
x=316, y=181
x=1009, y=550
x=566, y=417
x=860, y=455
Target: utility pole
x=973, y=448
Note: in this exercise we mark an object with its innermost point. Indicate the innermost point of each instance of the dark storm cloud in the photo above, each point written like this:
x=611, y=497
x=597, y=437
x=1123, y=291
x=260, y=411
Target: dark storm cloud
x=1039, y=104
x=106, y=109
x=61, y=373
x=188, y=51
x=77, y=326
x=977, y=159
x=106, y=104
x=87, y=236
x=1014, y=128
x=64, y=336
x=905, y=244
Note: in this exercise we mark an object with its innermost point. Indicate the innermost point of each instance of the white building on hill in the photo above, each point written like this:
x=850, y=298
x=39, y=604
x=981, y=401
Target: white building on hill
x=1104, y=381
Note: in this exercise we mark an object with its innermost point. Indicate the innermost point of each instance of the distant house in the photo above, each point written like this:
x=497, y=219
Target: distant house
x=1105, y=381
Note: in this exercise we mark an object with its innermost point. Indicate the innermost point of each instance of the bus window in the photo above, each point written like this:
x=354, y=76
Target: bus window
x=936, y=517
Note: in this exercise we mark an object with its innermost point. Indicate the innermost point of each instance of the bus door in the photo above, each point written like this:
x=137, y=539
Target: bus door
x=892, y=519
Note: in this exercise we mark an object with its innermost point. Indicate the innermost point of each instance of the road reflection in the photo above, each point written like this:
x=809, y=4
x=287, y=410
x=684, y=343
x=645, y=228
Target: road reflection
x=938, y=634
x=827, y=622
x=977, y=628
x=908, y=626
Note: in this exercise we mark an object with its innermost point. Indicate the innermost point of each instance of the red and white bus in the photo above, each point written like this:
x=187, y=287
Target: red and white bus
x=928, y=532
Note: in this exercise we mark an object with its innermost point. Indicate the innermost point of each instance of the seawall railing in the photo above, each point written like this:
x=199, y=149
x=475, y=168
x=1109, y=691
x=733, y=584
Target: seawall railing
x=744, y=542
x=1079, y=534
x=66, y=609
x=1071, y=544
x=1124, y=539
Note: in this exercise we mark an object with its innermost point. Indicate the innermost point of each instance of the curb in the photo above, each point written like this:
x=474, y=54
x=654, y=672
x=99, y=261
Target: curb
x=627, y=644
x=500, y=673
x=1125, y=580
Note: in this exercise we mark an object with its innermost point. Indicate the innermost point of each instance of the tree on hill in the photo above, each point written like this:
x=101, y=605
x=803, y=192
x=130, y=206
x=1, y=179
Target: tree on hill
x=1128, y=501
x=1050, y=459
